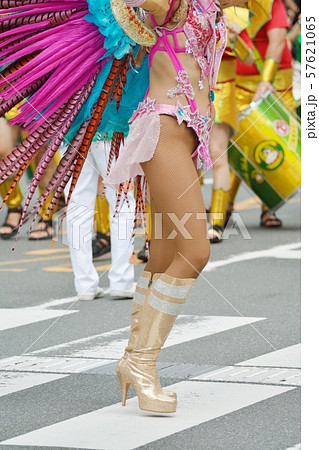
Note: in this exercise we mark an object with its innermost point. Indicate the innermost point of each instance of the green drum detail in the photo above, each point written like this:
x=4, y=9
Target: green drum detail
x=266, y=151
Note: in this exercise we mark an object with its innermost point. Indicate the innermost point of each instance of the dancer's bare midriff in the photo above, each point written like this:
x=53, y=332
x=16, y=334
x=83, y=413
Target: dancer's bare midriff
x=163, y=76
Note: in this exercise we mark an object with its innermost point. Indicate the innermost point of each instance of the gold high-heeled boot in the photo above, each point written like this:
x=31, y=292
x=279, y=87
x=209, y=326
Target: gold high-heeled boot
x=141, y=294
x=165, y=302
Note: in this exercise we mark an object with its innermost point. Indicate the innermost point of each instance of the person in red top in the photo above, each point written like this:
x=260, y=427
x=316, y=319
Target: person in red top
x=272, y=70
x=238, y=46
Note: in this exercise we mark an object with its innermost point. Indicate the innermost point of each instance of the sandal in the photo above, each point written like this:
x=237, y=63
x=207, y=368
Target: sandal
x=43, y=231
x=215, y=234
x=14, y=228
x=101, y=244
x=269, y=220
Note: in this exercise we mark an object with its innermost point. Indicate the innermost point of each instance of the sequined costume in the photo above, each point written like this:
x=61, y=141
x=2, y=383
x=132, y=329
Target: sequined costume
x=205, y=40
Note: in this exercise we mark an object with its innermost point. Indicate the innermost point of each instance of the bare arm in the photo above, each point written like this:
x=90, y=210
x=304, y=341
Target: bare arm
x=276, y=45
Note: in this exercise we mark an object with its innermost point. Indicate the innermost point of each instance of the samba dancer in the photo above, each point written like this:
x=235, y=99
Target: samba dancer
x=168, y=142
x=226, y=116
x=272, y=70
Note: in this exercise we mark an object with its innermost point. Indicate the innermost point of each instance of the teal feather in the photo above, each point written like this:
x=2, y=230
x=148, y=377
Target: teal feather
x=116, y=42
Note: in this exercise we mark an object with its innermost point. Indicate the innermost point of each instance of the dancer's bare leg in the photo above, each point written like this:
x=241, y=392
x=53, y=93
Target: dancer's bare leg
x=177, y=257
x=162, y=248
x=175, y=188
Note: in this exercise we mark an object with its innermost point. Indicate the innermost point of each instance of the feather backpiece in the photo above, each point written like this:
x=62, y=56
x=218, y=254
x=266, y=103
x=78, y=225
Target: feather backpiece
x=69, y=61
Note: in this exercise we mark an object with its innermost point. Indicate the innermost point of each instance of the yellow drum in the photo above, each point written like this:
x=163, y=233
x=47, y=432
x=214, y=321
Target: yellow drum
x=266, y=151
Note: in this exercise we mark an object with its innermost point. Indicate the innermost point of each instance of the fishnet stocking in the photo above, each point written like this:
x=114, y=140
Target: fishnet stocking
x=175, y=191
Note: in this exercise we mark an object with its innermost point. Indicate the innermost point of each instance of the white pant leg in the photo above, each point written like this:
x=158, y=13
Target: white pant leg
x=121, y=273
x=80, y=216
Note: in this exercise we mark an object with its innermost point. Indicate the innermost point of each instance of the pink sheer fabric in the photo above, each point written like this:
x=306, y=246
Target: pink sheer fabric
x=139, y=147
x=142, y=140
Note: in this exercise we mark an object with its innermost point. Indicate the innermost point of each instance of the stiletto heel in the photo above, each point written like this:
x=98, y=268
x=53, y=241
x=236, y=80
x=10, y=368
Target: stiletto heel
x=124, y=386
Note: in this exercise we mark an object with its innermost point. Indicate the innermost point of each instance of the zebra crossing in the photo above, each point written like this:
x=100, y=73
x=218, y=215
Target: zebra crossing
x=64, y=394
x=115, y=427
x=103, y=349
x=205, y=393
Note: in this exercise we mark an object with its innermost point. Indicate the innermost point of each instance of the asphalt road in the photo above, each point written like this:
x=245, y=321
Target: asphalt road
x=233, y=357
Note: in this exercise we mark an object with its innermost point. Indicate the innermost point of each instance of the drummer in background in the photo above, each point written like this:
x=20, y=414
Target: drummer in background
x=292, y=9
x=226, y=115
x=272, y=70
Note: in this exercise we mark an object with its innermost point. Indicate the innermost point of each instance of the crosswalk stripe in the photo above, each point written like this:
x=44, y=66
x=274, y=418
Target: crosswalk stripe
x=51, y=364
x=266, y=375
x=63, y=301
x=12, y=318
x=115, y=427
x=286, y=357
x=287, y=251
x=112, y=343
x=11, y=382
x=278, y=367
x=105, y=348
